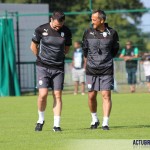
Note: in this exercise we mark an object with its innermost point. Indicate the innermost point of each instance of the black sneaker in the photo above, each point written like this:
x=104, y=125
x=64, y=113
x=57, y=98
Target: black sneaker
x=94, y=126
x=39, y=126
x=56, y=129
x=105, y=128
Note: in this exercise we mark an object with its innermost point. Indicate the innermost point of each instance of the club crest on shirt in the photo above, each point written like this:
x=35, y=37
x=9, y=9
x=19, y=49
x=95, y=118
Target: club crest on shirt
x=104, y=34
x=62, y=34
x=89, y=86
x=45, y=33
x=40, y=82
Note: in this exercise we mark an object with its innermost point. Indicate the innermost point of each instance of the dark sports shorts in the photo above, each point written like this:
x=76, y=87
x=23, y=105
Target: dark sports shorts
x=147, y=78
x=49, y=78
x=100, y=83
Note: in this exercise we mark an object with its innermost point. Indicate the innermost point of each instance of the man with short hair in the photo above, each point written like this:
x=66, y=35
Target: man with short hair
x=50, y=43
x=78, y=68
x=100, y=45
x=129, y=53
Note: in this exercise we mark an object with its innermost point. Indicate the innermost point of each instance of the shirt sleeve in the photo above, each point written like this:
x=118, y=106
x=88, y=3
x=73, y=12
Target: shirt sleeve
x=136, y=51
x=85, y=44
x=68, y=40
x=123, y=52
x=115, y=48
x=36, y=37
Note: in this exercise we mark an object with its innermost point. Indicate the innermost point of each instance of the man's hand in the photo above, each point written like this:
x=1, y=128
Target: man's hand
x=126, y=58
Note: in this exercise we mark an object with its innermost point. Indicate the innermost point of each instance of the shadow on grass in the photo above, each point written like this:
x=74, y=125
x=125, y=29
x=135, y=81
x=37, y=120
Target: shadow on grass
x=113, y=127
x=99, y=128
x=131, y=126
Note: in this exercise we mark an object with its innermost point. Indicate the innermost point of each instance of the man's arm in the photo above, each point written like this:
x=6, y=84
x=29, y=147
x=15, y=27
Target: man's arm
x=34, y=48
x=85, y=44
x=68, y=41
x=129, y=57
x=67, y=49
x=85, y=60
x=116, y=45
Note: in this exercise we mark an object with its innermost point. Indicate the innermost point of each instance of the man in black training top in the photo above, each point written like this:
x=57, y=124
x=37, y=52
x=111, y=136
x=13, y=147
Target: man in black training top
x=50, y=43
x=100, y=45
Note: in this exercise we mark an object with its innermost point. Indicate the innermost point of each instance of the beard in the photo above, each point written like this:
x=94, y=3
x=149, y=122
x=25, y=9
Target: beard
x=94, y=26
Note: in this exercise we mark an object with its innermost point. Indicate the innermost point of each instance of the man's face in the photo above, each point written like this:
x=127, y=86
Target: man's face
x=128, y=45
x=56, y=25
x=96, y=21
x=76, y=45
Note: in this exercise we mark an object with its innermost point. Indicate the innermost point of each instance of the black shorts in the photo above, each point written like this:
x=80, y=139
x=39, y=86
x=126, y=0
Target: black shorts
x=100, y=83
x=49, y=78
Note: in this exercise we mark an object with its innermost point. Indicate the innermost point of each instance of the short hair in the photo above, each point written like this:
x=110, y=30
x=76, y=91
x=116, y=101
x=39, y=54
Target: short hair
x=58, y=15
x=129, y=43
x=79, y=42
x=101, y=14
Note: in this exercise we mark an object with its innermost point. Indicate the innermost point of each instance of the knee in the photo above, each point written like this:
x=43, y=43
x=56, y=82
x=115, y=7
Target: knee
x=106, y=97
x=57, y=96
x=92, y=96
x=42, y=96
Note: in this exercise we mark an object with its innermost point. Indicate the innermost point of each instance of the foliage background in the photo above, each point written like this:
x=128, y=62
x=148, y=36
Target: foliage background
x=126, y=23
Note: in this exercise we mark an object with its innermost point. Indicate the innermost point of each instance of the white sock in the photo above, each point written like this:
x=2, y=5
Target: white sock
x=56, y=121
x=105, y=121
x=94, y=118
x=41, y=117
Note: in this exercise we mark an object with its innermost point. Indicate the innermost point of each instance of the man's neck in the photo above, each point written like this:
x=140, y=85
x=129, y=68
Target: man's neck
x=101, y=28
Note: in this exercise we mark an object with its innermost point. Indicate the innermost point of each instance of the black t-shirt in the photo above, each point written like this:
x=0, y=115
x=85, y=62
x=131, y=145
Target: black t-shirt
x=131, y=63
x=100, y=48
x=52, y=45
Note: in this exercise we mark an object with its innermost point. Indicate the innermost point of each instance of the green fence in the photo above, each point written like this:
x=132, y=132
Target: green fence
x=26, y=68
x=28, y=77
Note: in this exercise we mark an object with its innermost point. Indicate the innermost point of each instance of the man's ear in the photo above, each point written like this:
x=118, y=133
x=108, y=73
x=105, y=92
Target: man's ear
x=102, y=21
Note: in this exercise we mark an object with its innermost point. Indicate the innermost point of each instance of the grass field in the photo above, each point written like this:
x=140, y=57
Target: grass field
x=130, y=119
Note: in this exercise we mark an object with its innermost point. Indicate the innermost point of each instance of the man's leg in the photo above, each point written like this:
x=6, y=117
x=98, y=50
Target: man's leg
x=132, y=88
x=133, y=75
x=92, y=101
x=57, y=108
x=107, y=104
x=148, y=85
x=76, y=85
x=42, y=100
x=130, y=79
x=82, y=81
x=83, y=88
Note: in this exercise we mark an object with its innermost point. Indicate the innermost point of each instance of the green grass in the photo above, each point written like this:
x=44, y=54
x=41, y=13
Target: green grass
x=130, y=119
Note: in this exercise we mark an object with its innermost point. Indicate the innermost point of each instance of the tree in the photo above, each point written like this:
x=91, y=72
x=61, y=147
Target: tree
x=125, y=23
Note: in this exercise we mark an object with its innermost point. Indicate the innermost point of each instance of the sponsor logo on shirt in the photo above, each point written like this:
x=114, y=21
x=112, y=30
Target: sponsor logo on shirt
x=45, y=33
x=92, y=33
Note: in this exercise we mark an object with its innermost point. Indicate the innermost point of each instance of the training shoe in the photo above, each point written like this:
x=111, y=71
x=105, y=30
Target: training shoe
x=105, y=128
x=39, y=126
x=56, y=129
x=94, y=126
